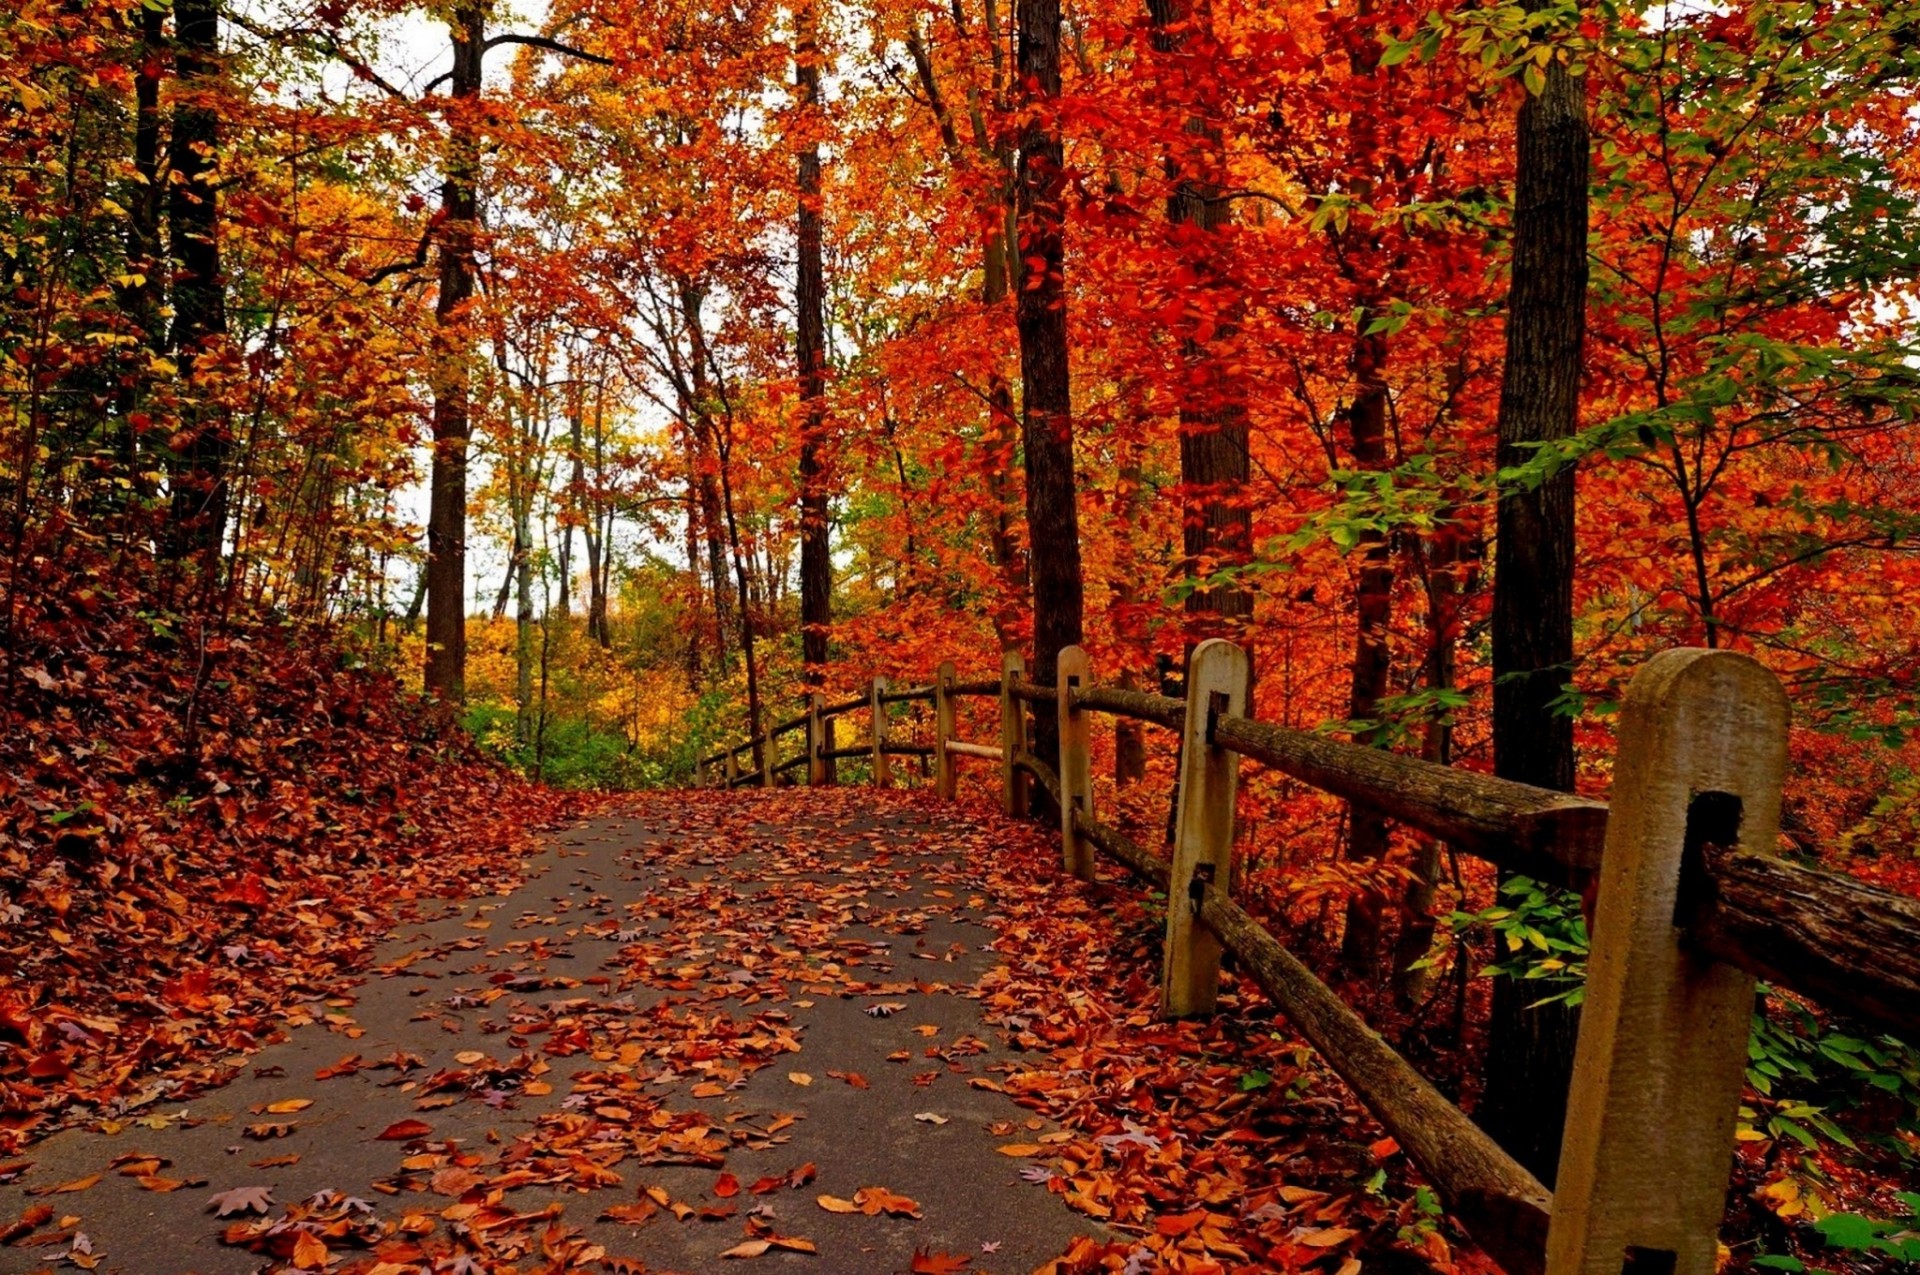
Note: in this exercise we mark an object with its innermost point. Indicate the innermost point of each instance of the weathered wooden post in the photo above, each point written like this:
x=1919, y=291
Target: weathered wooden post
x=768, y=749
x=733, y=765
x=943, y=732
x=816, y=741
x=882, y=771
x=1663, y=1032
x=1218, y=678
x=1076, y=768
x=1013, y=735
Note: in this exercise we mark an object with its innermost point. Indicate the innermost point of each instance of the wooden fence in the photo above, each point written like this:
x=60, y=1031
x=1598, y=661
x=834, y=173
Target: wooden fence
x=1692, y=905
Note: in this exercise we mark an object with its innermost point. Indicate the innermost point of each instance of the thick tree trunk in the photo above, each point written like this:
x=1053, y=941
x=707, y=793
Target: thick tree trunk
x=816, y=557
x=446, y=672
x=1530, y=1054
x=199, y=476
x=1040, y=314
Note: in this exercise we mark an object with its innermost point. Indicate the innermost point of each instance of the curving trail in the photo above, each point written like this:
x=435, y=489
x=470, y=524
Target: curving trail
x=828, y=1029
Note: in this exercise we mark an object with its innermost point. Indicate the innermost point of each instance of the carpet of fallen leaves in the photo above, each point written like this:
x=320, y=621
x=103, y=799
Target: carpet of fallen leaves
x=1208, y=1147
x=203, y=821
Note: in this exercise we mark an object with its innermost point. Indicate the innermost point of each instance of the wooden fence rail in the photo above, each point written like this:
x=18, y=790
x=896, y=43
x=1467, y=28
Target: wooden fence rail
x=1691, y=905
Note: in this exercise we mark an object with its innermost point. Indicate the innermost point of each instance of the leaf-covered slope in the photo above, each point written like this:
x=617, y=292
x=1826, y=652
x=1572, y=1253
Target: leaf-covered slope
x=203, y=821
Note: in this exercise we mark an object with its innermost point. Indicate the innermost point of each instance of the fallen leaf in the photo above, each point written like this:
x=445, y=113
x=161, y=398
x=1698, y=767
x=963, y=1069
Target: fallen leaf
x=309, y=1252
x=799, y=1077
x=751, y=1248
x=241, y=1199
x=67, y=1188
x=404, y=1131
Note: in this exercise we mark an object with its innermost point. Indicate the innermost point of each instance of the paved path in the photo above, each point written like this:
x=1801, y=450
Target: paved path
x=684, y=1011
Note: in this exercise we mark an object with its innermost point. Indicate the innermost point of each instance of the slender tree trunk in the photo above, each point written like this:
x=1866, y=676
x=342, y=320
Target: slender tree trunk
x=599, y=527
x=146, y=255
x=1217, y=525
x=1530, y=1052
x=200, y=489
x=1040, y=315
x=705, y=462
x=446, y=671
x=1450, y=553
x=816, y=556
x=1373, y=613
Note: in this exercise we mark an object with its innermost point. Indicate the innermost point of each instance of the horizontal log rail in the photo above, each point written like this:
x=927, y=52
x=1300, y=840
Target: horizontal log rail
x=1551, y=835
x=907, y=750
x=1836, y=940
x=1150, y=866
x=917, y=695
x=1032, y=692
x=960, y=748
x=1503, y=1207
x=1042, y=773
x=1161, y=710
x=985, y=686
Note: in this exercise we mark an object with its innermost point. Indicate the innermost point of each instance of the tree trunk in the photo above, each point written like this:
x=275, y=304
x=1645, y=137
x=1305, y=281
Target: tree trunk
x=1530, y=1052
x=1217, y=525
x=1373, y=612
x=816, y=559
x=1040, y=314
x=446, y=672
x=1450, y=553
x=199, y=476
x=143, y=302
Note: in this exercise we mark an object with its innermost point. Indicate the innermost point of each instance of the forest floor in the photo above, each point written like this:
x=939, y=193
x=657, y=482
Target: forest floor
x=842, y=1029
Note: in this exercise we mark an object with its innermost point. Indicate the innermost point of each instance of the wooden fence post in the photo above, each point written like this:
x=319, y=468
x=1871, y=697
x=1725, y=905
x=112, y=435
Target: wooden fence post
x=882, y=771
x=1663, y=1031
x=733, y=766
x=1218, y=677
x=1013, y=736
x=1076, y=769
x=768, y=750
x=816, y=741
x=943, y=785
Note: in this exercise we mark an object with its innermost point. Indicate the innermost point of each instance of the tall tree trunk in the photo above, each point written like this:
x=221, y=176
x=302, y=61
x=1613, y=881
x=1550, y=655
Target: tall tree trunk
x=816, y=559
x=200, y=489
x=706, y=460
x=446, y=671
x=597, y=525
x=1373, y=613
x=1530, y=1053
x=1217, y=525
x=1040, y=315
x=143, y=301
x=1449, y=557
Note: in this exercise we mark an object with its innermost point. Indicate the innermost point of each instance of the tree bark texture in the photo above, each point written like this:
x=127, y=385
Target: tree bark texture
x=1530, y=1054
x=446, y=673
x=1040, y=315
x=816, y=554
x=199, y=472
